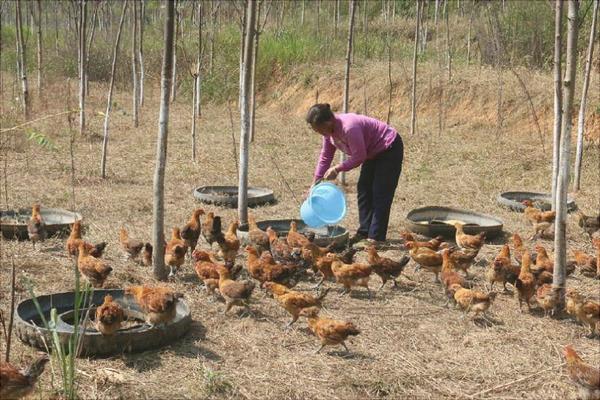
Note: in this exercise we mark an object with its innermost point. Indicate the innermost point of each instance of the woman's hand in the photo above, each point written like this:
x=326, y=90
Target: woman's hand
x=331, y=173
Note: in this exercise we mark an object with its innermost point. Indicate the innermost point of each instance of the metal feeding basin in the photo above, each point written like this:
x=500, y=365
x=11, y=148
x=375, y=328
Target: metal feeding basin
x=323, y=236
x=134, y=336
x=13, y=223
x=434, y=221
x=227, y=196
x=543, y=201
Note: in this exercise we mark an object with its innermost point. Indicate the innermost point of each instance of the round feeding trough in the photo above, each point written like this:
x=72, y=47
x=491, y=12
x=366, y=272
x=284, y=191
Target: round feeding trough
x=543, y=201
x=438, y=221
x=323, y=236
x=135, y=335
x=13, y=223
x=227, y=196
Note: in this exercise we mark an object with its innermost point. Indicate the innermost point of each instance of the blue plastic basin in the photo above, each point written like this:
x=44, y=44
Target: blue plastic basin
x=325, y=205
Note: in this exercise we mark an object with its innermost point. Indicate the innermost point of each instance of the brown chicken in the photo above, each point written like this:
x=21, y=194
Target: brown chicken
x=588, y=265
x=75, y=239
x=472, y=300
x=590, y=224
x=463, y=259
x=426, y=258
x=175, y=251
x=234, y=292
x=384, y=267
x=449, y=275
x=540, y=220
x=292, y=301
x=323, y=267
x=257, y=237
x=229, y=244
x=295, y=238
x=586, y=312
x=190, y=233
x=310, y=253
x=279, y=248
x=93, y=269
x=433, y=244
x=350, y=275
x=331, y=332
x=207, y=269
x=518, y=247
x=36, y=227
x=211, y=227
x=465, y=241
x=543, y=262
x=546, y=298
x=17, y=383
x=158, y=303
x=109, y=316
x=266, y=269
x=596, y=243
x=525, y=283
x=502, y=269
x=585, y=377
x=147, y=255
x=131, y=247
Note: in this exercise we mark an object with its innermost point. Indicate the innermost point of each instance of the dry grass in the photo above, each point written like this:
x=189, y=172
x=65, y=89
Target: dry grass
x=410, y=345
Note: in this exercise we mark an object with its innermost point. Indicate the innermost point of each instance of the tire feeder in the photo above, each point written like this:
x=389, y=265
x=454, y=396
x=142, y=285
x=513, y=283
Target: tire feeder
x=227, y=196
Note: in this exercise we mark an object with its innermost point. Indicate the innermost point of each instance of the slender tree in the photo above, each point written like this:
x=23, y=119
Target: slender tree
x=347, y=72
x=158, y=234
x=560, y=239
x=82, y=66
x=245, y=114
x=413, y=118
x=242, y=25
x=259, y=28
x=111, y=87
x=39, y=47
x=141, y=52
x=448, y=43
x=134, y=62
x=197, y=84
x=89, y=46
x=582, y=106
x=556, y=134
x=302, y=13
x=22, y=61
x=471, y=13
x=174, y=67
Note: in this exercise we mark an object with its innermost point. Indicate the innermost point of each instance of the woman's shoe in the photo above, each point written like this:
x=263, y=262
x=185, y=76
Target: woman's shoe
x=356, y=238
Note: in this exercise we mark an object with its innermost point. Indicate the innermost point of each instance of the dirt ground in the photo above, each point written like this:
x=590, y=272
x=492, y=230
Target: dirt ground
x=410, y=345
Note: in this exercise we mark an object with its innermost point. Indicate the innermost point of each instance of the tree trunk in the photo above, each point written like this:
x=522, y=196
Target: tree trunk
x=89, y=47
x=347, y=74
x=111, y=86
x=336, y=14
x=21, y=61
x=560, y=240
x=158, y=235
x=141, y=52
x=245, y=114
x=242, y=58
x=448, y=46
x=82, y=67
x=471, y=12
x=413, y=118
x=302, y=13
x=253, y=72
x=582, y=106
x=39, y=47
x=556, y=134
x=424, y=12
x=318, y=17
x=215, y=13
x=174, y=66
x=196, y=87
x=390, y=86
x=134, y=49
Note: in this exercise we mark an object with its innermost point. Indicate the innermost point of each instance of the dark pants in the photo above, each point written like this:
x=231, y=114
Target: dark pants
x=376, y=187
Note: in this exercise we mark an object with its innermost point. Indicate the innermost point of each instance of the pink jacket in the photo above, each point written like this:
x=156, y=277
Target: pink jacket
x=358, y=136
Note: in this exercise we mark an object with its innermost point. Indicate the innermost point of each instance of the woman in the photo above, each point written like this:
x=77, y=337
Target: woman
x=367, y=142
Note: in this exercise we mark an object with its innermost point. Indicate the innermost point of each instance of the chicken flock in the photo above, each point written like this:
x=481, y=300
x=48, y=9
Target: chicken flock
x=276, y=265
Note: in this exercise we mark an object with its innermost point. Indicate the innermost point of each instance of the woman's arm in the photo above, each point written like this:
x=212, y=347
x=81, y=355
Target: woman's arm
x=357, y=149
x=325, y=159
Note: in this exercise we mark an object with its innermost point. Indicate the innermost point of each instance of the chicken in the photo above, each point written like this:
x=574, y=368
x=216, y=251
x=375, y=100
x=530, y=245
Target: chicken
x=465, y=241
x=347, y=256
x=586, y=312
x=546, y=298
x=229, y=244
x=518, y=247
x=426, y=258
x=540, y=220
x=131, y=247
x=257, y=237
x=36, y=227
x=310, y=253
x=206, y=268
x=449, y=275
x=585, y=377
x=93, y=269
x=596, y=243
x=175, y=251
x=463, y=259
x=525, y=283
x=323, y=267
x=147, y=255
x=75, y=239
x=544, y=263
x=331, y=332
x=158, y=303
x=385, y=268
x=590, y=224
x=234, y=292
x=588, y=265
x=472, y=300
x=279, y=248
x=292, y=301
x=18, y=383
x=266, y=269
x=109, y=316
x=433, y=244
x=190, y=233
x=502, y=269
x=350, y=275
x=295, y=238
x=211, y=227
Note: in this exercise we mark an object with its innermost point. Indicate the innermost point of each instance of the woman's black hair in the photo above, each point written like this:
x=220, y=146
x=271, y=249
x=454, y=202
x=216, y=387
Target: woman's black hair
x=319, y=113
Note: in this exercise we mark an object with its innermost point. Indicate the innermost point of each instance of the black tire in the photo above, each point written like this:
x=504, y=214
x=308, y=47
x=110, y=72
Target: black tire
x=226, y=196
x=543, y=201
